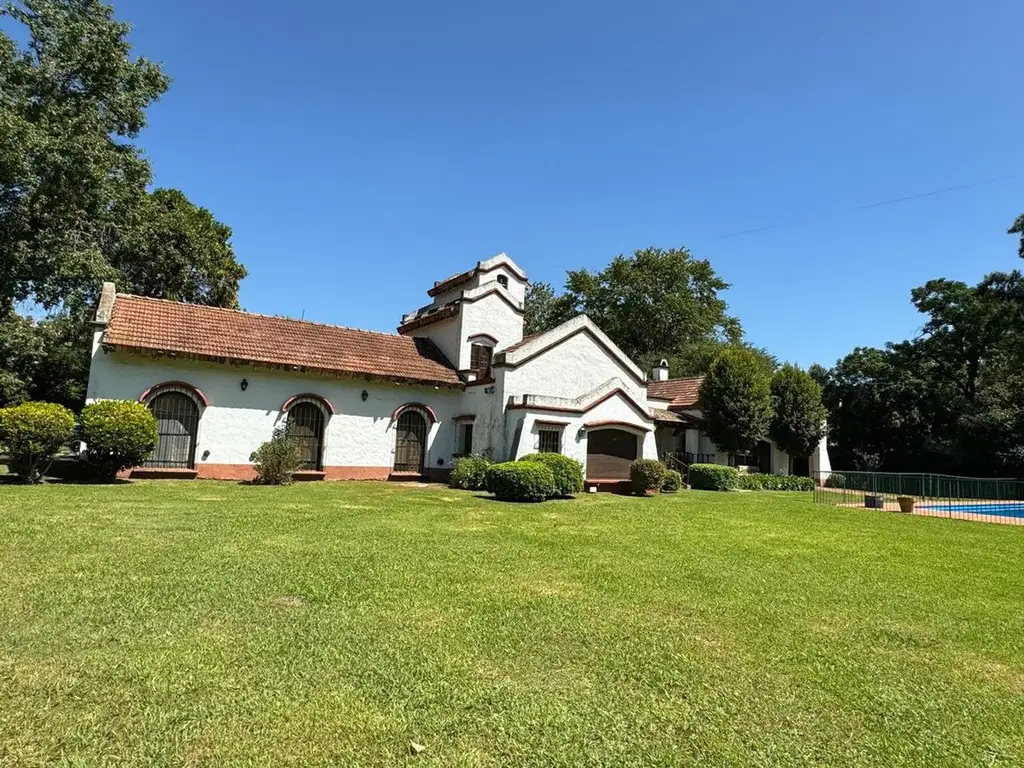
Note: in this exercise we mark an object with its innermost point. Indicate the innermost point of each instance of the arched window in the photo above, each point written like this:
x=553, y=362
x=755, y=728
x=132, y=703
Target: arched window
x=177, y=419
x=410, y=441
x=503, y=281
x=306, y=427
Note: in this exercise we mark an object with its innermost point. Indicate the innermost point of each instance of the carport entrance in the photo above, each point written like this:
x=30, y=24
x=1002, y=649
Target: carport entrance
x=609, y=454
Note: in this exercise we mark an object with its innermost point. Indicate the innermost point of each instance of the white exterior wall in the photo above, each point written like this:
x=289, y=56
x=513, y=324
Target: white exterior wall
x=570, y=369
x=359, y=434
x=574, y=433
x=490, y=315
x=446, y=336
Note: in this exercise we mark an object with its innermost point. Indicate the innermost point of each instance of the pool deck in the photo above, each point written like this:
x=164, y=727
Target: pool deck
x=936, y=508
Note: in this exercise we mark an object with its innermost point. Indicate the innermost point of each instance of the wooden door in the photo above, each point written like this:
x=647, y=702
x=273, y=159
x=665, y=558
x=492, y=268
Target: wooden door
x=609, y=454
x=410, y=442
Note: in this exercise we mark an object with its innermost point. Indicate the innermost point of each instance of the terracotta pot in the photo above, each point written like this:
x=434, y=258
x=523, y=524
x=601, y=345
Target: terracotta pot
x=906, y=503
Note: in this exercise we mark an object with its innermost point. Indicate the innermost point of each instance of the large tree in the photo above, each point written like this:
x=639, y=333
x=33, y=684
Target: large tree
x=1017, y=228
x=798, y=415
x=74, y=204
x=736, y=400
x=70, y=102
x=654, y=304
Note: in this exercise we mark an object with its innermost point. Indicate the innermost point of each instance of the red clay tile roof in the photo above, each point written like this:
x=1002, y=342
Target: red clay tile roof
x=522, y=341
x=682, y=393
x=156, y=325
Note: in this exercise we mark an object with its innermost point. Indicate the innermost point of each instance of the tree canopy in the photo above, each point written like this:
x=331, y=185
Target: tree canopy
x=798, y=415
x=736, y=400
x=654, y=304
x=75, y=208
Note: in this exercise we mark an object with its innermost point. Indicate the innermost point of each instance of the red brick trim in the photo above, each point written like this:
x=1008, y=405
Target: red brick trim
x=482, y=337
x=606, y=423
x=308, y=396
x=402, y=408
x=499, y=360
x=156, y=390
x=589, y=407
x=464, y=277
x=479, y=383
x=465, y=417
x=435, y=317
x=162, y=473
x=502, y=296
x=550, y=423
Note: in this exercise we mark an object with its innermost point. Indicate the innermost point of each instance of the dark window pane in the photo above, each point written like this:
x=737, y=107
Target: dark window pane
x=177, y=421
x=480, y=361
x=306, y=427
x=550, y=441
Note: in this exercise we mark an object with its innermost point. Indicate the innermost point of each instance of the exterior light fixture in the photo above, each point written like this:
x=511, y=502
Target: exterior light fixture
x=365, y=395
x=245, y=384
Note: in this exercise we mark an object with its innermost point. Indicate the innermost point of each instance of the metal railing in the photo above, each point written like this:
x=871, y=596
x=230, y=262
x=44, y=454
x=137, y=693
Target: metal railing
x=681, y=462
x=966, y=498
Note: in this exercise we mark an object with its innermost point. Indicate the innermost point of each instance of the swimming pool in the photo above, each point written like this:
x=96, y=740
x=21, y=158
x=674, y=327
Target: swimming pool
x=1000, y=508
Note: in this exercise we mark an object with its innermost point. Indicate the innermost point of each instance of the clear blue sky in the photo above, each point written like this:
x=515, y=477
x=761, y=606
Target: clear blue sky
x=361, y=151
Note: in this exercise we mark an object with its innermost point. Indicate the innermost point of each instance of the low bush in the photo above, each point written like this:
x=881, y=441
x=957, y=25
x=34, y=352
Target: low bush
x=521, y=481
x=276, y=460
x=835, y=480
x=673, y=481
x=646, y=475
x=118, y=435
x=775, y=483
x=567, y=471
x=713, y=477
x=31, y=434
x=470, y=473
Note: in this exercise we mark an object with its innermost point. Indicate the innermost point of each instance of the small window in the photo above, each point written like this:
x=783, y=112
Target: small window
x=550, y=440
x=465, y=446
x=480, y=361
x=503, y=281
x=745, y=459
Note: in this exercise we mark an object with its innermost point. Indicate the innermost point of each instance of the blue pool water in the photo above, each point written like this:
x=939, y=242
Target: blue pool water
x=1001, y=508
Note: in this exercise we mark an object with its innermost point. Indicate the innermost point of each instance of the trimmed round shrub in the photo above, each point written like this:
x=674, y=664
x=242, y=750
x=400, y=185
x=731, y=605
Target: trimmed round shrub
x=673, y=481
x=521, y=481
x=31, y=434
x=714, y=477
x=835, y=480
x=567, y=471
x=760, y=482
x=647, y=475
x=470, y=473
x=276, y=460
x=118, y=435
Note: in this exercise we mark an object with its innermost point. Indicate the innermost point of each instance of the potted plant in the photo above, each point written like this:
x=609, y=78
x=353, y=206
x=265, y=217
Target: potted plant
x=906, y=503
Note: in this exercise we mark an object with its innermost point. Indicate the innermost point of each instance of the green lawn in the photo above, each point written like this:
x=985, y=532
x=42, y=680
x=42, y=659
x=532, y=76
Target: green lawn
x=331, y=624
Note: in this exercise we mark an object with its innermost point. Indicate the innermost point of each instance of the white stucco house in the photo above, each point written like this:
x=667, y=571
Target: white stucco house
x=459, y=377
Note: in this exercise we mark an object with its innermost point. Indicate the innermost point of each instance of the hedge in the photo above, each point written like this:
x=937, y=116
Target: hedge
x=646, y=475
x=759, y=482
x=31, y=434
x=567, y=471
x=118, y=435
x=673, y=482
x=521, y=481
x=713, y=477
x=470, y=473
x=276, y=460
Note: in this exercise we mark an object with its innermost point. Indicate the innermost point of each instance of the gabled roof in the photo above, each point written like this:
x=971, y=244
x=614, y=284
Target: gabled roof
x=441, y=286
x=226, y=335
x=536, y=344
x=681, y=393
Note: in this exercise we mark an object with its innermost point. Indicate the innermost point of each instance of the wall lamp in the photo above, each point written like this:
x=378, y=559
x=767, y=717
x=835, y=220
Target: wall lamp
x=365, y=395
x=245, y=384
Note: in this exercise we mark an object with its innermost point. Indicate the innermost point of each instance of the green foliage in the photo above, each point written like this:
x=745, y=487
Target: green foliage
x=521, y=481
x=835, y=480
x=567, y=471
x=470, y=473
x=646, y=475
x=1017, y=228
x=673, y=482
x=714, y=477
x=736, y=400
x=276, y=460
x=31, y=433
x=758, y=482
x=798, y=415
x=119, y=434
x=948, y=401
x=179, y=251
x=654, y=304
